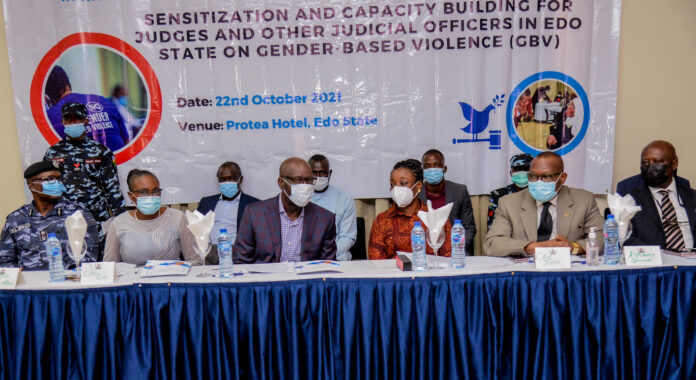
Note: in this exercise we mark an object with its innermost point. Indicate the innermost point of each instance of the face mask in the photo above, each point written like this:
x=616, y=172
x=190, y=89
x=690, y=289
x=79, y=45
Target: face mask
x=122, y=101
x=433, y=176
x=520, y=179
x=229, y=189
x=654, y=174
x=321, y=183
x=149, y=205
x=54, y=189
x=543, y=191
x=402, y=195
x=75, y=130
x=300, y=194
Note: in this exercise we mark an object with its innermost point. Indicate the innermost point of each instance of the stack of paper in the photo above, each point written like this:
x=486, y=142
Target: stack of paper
x=318, y=266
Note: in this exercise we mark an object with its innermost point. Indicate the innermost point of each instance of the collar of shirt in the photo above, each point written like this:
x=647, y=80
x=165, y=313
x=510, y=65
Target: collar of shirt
x=672, y=188
x=236, y=200
x=553, y=201
x=31, y=210
x=285, y=214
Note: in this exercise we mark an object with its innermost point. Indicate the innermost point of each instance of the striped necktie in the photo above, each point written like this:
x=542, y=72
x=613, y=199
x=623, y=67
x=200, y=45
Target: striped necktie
x=674, y=240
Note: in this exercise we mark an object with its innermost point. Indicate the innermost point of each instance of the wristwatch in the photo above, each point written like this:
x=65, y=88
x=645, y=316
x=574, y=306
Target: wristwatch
x=576, y=248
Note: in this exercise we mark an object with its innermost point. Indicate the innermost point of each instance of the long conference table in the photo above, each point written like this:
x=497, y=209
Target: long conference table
x=494, y=319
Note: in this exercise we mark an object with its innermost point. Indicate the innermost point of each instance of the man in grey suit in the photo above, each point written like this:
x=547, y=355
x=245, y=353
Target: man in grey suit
x=546, y=214
x=441, y=192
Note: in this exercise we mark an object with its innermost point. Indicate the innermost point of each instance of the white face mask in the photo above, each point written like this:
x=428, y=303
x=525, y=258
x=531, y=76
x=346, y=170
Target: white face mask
x=300, y=194
x=402, y=195
x=321, y=183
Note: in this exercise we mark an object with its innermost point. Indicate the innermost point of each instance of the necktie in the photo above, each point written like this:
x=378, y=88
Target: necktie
x=674, y=240
x=546, y=223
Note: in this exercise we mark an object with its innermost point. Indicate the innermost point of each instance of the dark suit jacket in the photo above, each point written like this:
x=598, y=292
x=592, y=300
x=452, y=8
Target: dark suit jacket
x=208, y=204
x=259, y=236
x=624, y=187
x=457, y=193
x=647, y=224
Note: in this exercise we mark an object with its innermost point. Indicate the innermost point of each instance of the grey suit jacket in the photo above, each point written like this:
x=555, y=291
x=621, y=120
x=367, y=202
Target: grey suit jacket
x=456, y=193
x=515, y=224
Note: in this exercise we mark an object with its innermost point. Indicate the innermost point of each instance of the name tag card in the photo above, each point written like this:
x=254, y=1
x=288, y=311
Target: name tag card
x=9, y=277
x=642, y=255
x=552, y=258
x=98, y=273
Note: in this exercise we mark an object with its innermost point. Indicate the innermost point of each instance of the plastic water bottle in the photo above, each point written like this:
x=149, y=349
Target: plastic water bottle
x=418, y=247
x=224, y=249
x=56, y=272
x=592, y=253
x=458, y=245
x=612, y=254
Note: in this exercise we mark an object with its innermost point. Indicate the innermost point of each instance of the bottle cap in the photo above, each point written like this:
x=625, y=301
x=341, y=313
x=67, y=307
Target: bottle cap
x=51, y=235
x=457, y=221
x=416, y=224
x=610, y=216
x=223, y=230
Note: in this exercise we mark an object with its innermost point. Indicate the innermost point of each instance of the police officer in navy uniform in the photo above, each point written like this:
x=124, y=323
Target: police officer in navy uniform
x=26, y=229
x=519, y=166
x=88, y=168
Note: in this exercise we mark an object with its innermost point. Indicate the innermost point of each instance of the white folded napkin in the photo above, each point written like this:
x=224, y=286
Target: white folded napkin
x=435, y=219
x=200, y=226
x=76, y=226
x=623, y=209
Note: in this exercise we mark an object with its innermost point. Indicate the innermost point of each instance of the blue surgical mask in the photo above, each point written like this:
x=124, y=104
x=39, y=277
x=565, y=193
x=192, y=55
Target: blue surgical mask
x=520, y=179
x=433, y=176
x=53, y=188
x=149, y=205
x=229, y=189
x=75, y=130
x=122, y=100
x=543, y=191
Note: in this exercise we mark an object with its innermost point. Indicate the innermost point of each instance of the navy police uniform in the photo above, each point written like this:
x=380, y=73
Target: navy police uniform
x=89, y=175
x=26, y=231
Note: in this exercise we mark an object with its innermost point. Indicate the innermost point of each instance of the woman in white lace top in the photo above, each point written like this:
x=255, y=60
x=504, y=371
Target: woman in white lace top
x=150, y=232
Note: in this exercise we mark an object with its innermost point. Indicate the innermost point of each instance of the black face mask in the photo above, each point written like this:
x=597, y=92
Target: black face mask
x=654, y=174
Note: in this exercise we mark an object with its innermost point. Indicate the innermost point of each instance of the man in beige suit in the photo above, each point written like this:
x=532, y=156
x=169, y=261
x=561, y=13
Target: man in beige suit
x=546, y=214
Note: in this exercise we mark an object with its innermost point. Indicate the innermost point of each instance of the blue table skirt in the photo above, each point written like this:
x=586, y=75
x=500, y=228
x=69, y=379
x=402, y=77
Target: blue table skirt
x=631, y=324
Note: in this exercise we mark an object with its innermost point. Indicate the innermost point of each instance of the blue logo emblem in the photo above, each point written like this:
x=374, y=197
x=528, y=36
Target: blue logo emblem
x=477, y=122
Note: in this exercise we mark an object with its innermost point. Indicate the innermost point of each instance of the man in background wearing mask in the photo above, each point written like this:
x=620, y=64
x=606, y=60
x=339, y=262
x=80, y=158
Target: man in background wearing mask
x=546, y=214
x=26, y=229
x=88, y=168
x=667, y=206
x=287, y=227
x=519, y=166
x=336, y=201
x=229, y=204
x=440, y=192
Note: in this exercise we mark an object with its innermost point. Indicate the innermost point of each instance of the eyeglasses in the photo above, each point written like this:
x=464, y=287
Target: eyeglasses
x=544, y=177
x=300, y=180
x=147, y=193
x=48, y=180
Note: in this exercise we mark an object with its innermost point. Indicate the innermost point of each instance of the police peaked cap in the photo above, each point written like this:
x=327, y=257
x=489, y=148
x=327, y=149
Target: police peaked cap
x=39, y=167
x=523, y=160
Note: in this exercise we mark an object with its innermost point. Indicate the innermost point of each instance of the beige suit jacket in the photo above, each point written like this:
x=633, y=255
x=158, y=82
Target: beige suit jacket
x=515, y=224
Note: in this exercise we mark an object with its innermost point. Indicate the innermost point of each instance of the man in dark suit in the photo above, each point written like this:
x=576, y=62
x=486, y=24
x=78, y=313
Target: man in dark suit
x=230, y=203
x=441, y=192
x=667, y=216
x=287, y=227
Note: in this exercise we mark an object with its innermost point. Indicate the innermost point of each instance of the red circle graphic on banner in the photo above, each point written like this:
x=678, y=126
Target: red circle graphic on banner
x=47, y=62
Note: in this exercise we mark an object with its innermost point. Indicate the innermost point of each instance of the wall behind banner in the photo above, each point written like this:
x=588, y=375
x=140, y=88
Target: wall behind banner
x=657, y=58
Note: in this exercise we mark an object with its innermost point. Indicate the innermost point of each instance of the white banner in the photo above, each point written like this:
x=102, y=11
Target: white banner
x=180, y=87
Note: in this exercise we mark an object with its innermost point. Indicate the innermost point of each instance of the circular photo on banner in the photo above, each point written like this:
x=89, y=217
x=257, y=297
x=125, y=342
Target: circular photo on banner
x=111, y=79
x=548, y=111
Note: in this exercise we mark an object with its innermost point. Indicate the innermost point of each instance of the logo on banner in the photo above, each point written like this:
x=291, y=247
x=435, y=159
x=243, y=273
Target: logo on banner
x=94, y=107
x=548, y=111
x=477, y=122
